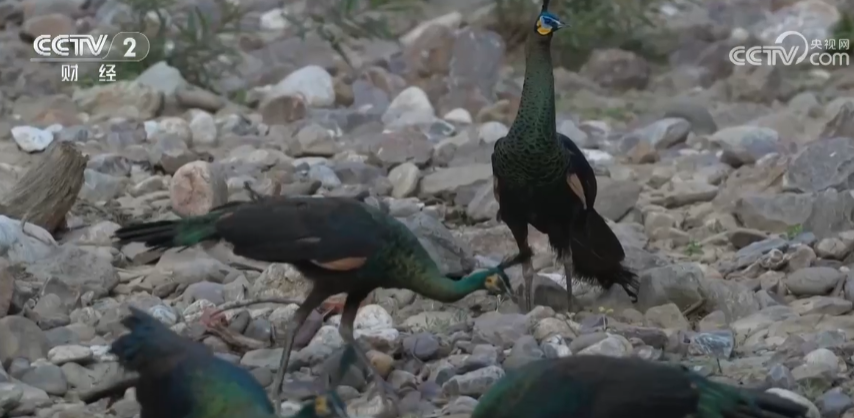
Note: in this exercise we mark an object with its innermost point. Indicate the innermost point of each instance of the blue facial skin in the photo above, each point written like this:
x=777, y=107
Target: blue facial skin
x=550, y=21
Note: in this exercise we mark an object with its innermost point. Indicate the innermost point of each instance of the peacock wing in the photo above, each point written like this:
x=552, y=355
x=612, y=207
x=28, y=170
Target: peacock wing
x=336, y=233
x=581, y=178
x=537, y=390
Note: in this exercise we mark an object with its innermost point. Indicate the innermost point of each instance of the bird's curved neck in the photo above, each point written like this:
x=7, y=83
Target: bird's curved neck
x=535, y=120
x=443, y=289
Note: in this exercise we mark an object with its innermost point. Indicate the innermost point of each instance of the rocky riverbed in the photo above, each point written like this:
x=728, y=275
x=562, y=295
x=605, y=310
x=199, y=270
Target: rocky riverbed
x=729, y=187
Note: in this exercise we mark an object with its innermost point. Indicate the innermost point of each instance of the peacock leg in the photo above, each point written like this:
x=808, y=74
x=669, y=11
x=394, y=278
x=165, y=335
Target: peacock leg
x=528, y=276
x=567, y=271
x=520, y=234
x=348, y=317
x=314, y=299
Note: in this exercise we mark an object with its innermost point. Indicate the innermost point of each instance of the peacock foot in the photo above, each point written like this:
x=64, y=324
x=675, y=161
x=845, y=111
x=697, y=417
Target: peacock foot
x=386, y=391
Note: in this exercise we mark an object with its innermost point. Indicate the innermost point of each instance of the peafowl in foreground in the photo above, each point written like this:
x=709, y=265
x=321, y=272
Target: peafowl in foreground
x=180, y=378
x=542, y=178
x=589, y=386
x=341, y=244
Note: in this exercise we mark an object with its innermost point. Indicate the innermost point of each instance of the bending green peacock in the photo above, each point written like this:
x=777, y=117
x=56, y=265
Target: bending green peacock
x=342, y=245
x=542, y=178
x=180, y=378
x=588, y=386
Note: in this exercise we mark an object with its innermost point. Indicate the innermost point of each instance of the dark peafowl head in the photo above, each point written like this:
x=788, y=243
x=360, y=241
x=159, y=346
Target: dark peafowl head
x=547, y=23
x=495, y=280
x=327, y=405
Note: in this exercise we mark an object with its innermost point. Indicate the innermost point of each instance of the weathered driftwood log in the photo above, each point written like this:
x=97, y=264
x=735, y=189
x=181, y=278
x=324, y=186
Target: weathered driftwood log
x=45, y=194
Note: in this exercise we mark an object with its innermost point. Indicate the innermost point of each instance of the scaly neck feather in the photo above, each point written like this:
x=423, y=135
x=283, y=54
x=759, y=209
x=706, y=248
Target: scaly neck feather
x=535, y=120
x=438, y=287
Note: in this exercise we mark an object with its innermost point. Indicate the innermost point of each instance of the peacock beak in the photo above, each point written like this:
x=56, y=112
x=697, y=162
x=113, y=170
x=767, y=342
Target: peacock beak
x=559, y=24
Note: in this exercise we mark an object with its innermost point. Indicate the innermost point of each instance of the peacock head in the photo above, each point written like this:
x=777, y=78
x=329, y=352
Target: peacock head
x=327, y=405
x=548, y=23
x=495, y=280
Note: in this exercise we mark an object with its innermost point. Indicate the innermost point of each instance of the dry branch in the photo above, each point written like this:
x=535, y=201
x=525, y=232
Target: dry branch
x=45, y=194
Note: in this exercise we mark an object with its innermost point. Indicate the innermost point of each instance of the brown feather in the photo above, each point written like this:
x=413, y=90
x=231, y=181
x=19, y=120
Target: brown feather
x=344, y=264
x=576, y=187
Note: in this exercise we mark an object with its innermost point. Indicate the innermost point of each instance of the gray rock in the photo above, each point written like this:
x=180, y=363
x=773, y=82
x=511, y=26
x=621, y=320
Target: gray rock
x=32, y=399
x=77, y=268
x=823, y=164
x=501, y=330
x=524, y=351
x=677, y=283
x=813, y=281
x=162, y=77
x=615, y=198
x=830, y=213
x=451, y=180
x=10, y=396
x=21, y=338
x=745, y=144
x=452, y=255
x=473, y=383
x=834, y=403
x=47, y=377
x=422, y=346
x=781, y=377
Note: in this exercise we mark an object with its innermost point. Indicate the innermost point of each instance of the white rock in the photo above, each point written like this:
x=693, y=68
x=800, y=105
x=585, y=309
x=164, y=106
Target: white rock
x=559, y=345
x=164, y=314
x=381, y=339
x=197, y=187
x=571, y=130
x=26, y=244
x=370, y=317
x=595, y=156
x=458, y=115
x=490, y=132
x=451, y=20
x=102, y=353
x=290, y=408
x=404, y=179
x=274, y=20
x=823, y=357
x=373, y=317
x=812, y=410
x=312, y=83
x=171, y=126
x=150, y=127
x=203, y=127
x=62, y=354
x=613, y=345
x=31, y=139
x=410, y=107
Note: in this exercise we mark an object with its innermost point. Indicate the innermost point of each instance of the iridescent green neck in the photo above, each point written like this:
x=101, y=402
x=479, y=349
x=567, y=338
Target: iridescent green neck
x=535, y=119
x=443, y=289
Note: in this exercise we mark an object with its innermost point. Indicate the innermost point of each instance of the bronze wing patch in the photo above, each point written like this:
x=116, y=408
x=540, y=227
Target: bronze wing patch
x=343, y=264
x=577, y=188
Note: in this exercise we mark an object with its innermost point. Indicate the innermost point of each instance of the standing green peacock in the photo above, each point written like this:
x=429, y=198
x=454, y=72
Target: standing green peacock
x=340, y=244
x=593, y=386
x=542, y=178
x=180, y=378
